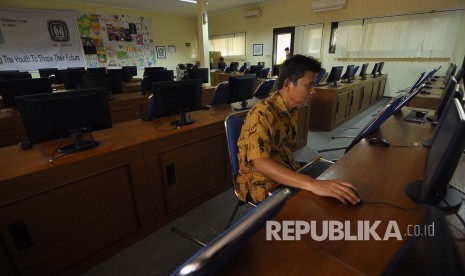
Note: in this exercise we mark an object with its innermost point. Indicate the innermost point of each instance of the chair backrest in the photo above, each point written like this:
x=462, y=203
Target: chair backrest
x=233, y=125
x=242, y=69
x=265, y=72
x=220, y=96
x=265, y=88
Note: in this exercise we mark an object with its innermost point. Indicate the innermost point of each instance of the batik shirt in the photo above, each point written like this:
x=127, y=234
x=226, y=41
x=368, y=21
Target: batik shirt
x=269, y=130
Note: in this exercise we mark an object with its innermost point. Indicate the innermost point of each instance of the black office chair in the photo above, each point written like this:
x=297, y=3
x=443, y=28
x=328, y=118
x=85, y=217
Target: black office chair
x=264, y=88
x=220, y=96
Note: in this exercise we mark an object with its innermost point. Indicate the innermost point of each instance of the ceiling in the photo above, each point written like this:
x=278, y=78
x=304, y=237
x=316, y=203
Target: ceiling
x=174, y=6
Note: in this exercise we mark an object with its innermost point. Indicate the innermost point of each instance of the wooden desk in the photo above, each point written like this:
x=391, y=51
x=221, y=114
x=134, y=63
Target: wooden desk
x=380, y=174
x=332, y=106
x=86, y=206
x=428, y=101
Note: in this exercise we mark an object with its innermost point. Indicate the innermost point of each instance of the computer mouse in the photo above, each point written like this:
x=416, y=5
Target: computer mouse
x=434, y=79
x=425, y=92
x=420, y=114
x=379, y=142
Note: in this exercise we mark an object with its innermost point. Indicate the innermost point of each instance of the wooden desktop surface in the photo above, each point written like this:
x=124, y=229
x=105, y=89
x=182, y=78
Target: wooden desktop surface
x=380, y=174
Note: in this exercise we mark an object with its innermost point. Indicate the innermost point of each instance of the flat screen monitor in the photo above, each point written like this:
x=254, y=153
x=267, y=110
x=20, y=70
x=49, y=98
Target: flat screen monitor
x=459, y=74
x=8, y=71
x=159, y=76
x=445, y=97
x=152, y=69
x=319, y=76
x=334, y=76
x=221, y=65
x=9, y=89
x=411, y=92
x=110, y=82
x=52, y=73
x=125, y=76
x=441, y=161
x=131, y=70
x=200, y=74
x=363, y=71
x=234, y=66
x=375, y=70
x=275, y=71
x=174, y=97
x=376, y=121
x=256, y=69
x=241, y=89
x=348, y=73
x=450, y=72
x=72, y=78
x=96, y=71
x=14, y=75
x=76, y=68
x=380, y=68
x=354, y=72
x=73, y=113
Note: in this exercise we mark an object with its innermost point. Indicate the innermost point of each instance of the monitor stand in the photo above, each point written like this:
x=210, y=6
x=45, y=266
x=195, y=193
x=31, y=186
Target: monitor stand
x=364, y=77
x=453, y=197
x=183, y=120
x=243, y=106
x=428, y=142
x=335, y=84
x=79, y=144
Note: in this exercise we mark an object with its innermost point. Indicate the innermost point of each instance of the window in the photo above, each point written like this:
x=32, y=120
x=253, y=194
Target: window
x=308, y=40
x=230, y=45
x=430, y=35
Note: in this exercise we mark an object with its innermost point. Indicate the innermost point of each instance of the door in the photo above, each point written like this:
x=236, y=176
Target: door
x=282, y=38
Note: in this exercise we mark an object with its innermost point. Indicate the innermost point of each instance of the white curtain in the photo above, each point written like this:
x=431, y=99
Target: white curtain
x=349, y=39
x=230, y=45
x=308, y=40
x=440, y=38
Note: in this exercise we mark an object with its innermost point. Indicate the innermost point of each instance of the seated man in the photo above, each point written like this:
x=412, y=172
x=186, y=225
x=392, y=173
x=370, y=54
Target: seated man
x=269, y=136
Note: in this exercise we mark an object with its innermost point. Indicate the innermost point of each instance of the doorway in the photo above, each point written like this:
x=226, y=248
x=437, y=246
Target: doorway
x=282, y=38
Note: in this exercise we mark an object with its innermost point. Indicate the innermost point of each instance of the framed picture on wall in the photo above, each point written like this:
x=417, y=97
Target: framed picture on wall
x=257, y=49
x=161, y=52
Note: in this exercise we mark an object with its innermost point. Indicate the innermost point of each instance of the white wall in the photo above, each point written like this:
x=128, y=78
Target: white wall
x=298, y=12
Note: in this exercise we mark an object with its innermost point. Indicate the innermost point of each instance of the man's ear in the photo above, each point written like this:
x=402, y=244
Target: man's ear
x=288, y=83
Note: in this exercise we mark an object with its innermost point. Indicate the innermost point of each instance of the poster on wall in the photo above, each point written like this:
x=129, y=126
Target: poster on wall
x=116, y=40
x=32, y=39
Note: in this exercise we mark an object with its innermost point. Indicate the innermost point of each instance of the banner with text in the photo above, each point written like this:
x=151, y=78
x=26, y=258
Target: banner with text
x=33, y=39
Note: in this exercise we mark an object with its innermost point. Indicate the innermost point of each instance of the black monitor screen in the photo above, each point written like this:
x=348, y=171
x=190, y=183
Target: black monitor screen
x=335, y=75
x=441, y=161
x=446, y=95
x=459, y=74
x=349, y=71
x=276, y=70
x=132, y=70
x=363, y=71
x=375, y=70
x=200, y=74
x=53, y=73
x=256, y=69
x=9, y=89
x=96, y=71
x=110, y=82
x=450, y=72
x=221, y=65
x=174, y=97
x=51, y=116
x=14, y=75
x=241, y=89
x=72, y=78
x=76, y=68
x=125, y=76
x=234, y=66
x=320, y=76
x=376, y=122
x=160, y=76
x=152, y=69
x=354, y=72
x=380, y=67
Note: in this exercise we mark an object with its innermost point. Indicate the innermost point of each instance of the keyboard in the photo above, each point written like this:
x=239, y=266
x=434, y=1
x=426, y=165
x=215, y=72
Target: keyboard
x=416, y=116
x=316, y=168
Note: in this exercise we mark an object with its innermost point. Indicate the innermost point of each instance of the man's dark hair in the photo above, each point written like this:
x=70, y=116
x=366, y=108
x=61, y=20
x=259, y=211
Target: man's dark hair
x=286, y=49
x=295, y=67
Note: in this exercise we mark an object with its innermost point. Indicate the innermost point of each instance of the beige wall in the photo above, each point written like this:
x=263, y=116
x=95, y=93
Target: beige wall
x=167, y=29
x=298, y=12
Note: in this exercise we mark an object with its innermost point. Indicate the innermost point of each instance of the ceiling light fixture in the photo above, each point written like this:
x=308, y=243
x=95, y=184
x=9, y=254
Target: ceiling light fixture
x=189, y=1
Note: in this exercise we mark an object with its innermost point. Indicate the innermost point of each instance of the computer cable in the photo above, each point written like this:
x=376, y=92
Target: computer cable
x=53, y=158
x=458, y=190
x=456, y=213
x=456, y=229
x=387, y=205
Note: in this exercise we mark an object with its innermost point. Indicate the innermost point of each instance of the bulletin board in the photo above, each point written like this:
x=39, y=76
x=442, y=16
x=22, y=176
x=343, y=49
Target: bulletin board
x=116, y=40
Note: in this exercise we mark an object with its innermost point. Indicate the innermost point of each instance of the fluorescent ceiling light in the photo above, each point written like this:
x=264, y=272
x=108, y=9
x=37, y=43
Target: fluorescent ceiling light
x=189, y=1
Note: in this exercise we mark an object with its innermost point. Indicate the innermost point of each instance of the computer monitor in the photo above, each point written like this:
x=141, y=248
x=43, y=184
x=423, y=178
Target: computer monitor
x=241, y=89
x=72, y=78
x=380, y=68
x=354, y=72
x=159, y=76
x=125, y=75
x=52, y=73
x=96, y=71
x=174, y=97
x=441, y=162
x=234, y=66
x=450, y=72
x=319, y=77
x=76, y=68
x=348, y=73
x=375, y=70
x=221, y=65
x=200, y=73
x=275, y=71
x=152, y=69
x=446, y=95
x=256, y=69
x=459, y=74
x=334, y=76
x=9, y=89
x=14, y=75
x=376, y=121
x=131, y=70
x=8, y=71
x=56, y=115
x=363, y=71
x=110, y=82
x=411, y=92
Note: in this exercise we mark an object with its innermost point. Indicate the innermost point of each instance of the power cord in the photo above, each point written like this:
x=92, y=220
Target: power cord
x=53, y=158
x=460, y=191
x=456, y=213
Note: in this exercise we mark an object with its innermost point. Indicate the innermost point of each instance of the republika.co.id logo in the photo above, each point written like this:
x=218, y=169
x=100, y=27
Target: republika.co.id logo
x=58, y=30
